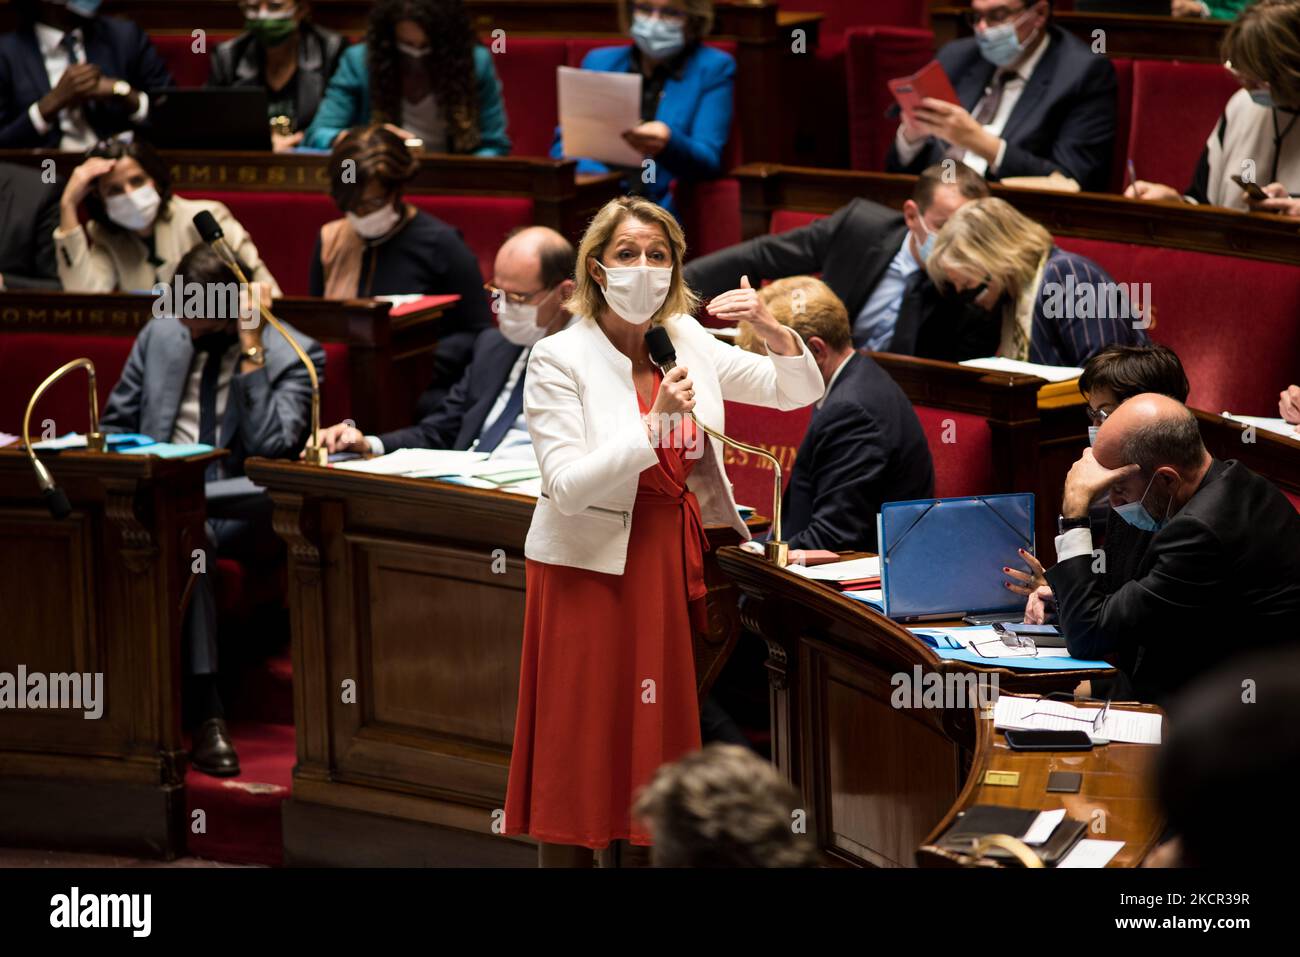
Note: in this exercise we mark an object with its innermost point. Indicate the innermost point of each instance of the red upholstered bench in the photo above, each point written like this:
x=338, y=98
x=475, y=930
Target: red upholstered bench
x=961, y=445
x=527, y=71
x=874, y=56
x=1231, y=321
x=780, y=433
x=1175, y=108
x=188, y=68
x=28, y=357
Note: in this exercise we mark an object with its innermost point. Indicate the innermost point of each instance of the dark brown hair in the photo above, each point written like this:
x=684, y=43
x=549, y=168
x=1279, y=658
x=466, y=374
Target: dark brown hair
x=153, y=165
x=364, y=154
x=969, y=183
x=1131, y=370
x=1263, y=43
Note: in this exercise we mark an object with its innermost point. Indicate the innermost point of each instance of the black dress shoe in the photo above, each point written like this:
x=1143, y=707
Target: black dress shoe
x=213, y=752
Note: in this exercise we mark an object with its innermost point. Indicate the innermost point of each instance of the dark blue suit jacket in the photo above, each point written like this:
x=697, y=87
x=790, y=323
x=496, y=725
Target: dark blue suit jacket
x=864, y=447
x=696, y=105
x=1064, y=119
x=118, y=47
x=456, y=423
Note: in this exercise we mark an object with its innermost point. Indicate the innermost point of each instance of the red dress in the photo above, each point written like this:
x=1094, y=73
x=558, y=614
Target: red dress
x=607, y=681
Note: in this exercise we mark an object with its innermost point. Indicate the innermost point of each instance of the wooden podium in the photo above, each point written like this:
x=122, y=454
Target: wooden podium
x=407, y=608
x=875, y=778
x=99, y=591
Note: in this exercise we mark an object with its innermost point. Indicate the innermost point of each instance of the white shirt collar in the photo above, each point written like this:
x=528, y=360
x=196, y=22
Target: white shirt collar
x=834, y=375
x=48, y=38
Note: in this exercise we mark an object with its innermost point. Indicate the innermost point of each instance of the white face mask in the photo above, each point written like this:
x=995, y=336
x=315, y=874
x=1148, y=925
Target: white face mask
x=415, y=53
x=135, y=210
x=376, y=224
x=518, y=321
x=635, y=293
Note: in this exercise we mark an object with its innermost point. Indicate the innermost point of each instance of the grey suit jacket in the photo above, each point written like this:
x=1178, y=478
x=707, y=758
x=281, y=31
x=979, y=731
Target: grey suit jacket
x=29, y=214
x=268, y=412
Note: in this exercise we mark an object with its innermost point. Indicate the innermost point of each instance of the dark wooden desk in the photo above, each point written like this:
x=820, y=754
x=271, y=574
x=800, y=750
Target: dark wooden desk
x=99, y=591
x=561, y=199
x=875, y=778
x=388, y=357
x=765, y=187
x=414, y=590
x=1146, y=38
x=1275, y=457
x=1114, y=798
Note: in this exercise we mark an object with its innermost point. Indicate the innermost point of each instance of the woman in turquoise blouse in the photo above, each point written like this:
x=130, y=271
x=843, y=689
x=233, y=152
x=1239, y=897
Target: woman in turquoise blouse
x=421, y=71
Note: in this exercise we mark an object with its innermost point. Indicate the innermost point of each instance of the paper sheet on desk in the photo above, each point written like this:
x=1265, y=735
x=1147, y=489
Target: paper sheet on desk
x=839, y=571
x=1134, y=727
x=1276, y=426
x=1090, y=853
x=409, y=461
x=1001, y=364
x=956, y=644
x=596, y=108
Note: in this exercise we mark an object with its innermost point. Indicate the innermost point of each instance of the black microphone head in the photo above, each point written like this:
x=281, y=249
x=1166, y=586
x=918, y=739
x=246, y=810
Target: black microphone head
x=660, y=345
x=56, y=500
x=208, y=227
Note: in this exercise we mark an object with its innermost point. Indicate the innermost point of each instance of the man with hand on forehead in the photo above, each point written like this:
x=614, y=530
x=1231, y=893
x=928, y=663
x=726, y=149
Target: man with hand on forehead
x=1222, y=571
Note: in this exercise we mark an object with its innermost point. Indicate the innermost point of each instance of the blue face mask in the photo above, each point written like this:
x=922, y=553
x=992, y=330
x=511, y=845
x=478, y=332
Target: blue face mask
x=84, y=8
x=1092, y=434
x=1136, y=515
x=1000, y=45
x=927, y=247
x=657, y=38
x=1262, y=98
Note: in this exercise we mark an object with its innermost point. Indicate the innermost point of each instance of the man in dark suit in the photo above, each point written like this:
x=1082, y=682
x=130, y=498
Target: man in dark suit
x=1221, y=573
x=864, y=445
x=231, y=383
x=532, y=277
x=1034, y=100
x=69, y=78
x=29, y=214
x=870, y=256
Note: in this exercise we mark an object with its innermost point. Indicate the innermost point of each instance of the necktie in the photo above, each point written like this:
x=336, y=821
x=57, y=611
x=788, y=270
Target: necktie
x=69, y=43
x=987, y=108
x=208, y=404
x=492, y=435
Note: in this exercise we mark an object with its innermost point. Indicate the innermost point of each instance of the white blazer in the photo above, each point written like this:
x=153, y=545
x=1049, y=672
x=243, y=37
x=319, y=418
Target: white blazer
x=592, y=445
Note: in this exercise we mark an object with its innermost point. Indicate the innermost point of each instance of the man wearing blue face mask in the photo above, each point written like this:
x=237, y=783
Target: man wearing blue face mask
x=686, y=95
x=69, y=78
x=1034, y=100
x=1222, y=570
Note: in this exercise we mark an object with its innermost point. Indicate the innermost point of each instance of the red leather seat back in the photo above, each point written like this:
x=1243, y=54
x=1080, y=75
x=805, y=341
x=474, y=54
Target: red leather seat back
x=961, y=445
x=1123, y=121
x=784, y=220
x=26, y=358
x=483, y=221
x=874, y=56
x=188, y=67
x=1175, y=108
x=779, y=432
x=527, y=71
x=1239, y=348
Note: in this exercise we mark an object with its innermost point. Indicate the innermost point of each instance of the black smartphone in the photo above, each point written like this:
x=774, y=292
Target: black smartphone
x=1252, y=189
x=1048, y=740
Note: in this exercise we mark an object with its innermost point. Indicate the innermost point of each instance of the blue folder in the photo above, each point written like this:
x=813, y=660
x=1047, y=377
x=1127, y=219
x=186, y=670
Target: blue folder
x=943, y=557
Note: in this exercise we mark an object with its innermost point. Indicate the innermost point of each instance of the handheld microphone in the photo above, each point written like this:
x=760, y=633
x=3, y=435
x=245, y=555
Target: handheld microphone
x=56, y=500
x=664, y=356
x=210, y=232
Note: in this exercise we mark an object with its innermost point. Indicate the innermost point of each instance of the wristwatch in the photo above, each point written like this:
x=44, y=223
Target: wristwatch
x=1064, y=524
x=255, y=355
x=121, y=88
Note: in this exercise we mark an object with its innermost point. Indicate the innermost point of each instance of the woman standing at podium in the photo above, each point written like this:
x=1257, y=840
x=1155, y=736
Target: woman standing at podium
x=615, y=551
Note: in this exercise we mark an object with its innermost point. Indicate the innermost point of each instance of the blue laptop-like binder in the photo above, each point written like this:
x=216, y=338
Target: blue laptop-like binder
x=943, y=557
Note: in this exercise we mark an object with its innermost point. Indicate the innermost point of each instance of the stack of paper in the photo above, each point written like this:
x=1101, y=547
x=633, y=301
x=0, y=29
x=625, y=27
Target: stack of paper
x=840, y=574
x=425, y=462
x=1000, y=364
x=1042, y=714
x=1276, y=426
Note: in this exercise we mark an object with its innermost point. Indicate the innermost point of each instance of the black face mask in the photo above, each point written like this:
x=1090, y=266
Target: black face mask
x=219, y=342
x=967, y=297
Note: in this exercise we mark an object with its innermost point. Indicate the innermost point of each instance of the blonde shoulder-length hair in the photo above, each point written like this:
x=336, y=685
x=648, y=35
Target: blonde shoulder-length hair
x=588, y=298
x=988, y=237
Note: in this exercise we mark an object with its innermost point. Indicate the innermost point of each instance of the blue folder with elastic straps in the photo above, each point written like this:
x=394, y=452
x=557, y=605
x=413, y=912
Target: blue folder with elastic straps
x=943, y=557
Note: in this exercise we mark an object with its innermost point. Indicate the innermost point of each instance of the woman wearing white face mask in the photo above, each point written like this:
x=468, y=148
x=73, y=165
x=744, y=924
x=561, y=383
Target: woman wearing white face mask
x=138, y=229
x=384, y=246
x=686, y=98
x=615, y=560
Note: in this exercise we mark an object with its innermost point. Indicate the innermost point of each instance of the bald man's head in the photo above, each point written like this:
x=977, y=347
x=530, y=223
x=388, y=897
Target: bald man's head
x=1160, y=435
x=534, y=268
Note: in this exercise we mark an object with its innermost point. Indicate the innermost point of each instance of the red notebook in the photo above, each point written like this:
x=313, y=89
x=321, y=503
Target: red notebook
x=930, y=80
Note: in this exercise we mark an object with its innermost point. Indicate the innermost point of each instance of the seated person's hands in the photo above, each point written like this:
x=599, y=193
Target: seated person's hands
x=1279, y=201
x=82, y=180
x=281, y=143
x=79, y=82
x=1025, y=583
x=1039, y=605
x=1188, y=8
x=1289, y=405
x=1141, y=189
x=649, y=139
x=343, y=437
x=1087, y=479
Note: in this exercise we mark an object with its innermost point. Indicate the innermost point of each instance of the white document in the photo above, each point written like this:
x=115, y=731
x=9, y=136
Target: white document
x=1276, y=426
x=1090, y=853
x=1038, y=714
x=73, y=440
x=1043, y=826
x=839, y=571
x=411, y=461
x=1000, y=364
x=596, y=109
